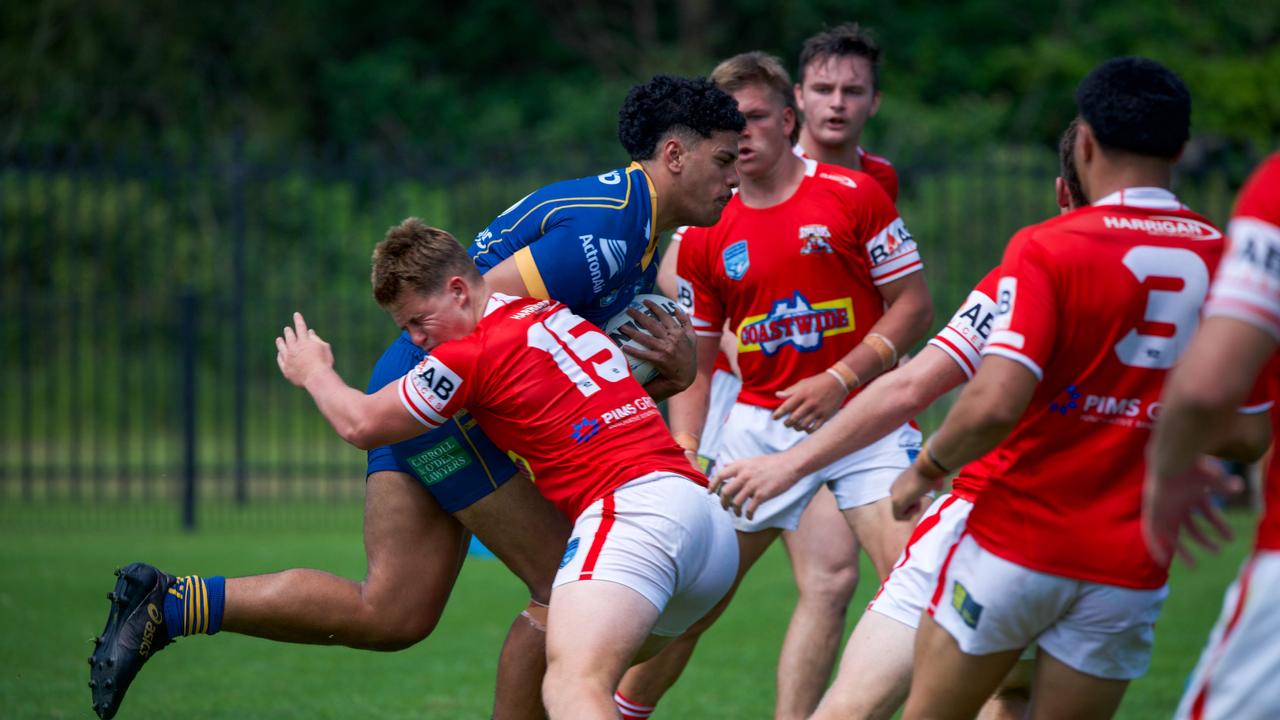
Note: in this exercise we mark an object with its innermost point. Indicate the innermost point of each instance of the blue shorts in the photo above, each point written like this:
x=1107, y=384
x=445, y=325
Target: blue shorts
x=456, y=462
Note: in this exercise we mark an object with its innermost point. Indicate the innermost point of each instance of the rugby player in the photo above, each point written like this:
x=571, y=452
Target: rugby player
x=838, y=91
x=651, y=552
x=802, y=264
x=875, y=670
x=590, y=243
x=1095, y=307
x=1235, y=677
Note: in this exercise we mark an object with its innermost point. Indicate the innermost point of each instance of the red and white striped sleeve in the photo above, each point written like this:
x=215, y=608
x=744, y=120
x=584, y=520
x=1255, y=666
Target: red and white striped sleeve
x=1026, y=307
x=433, y=391
x=1247, y=286
x=695, y=283
x=966, y=333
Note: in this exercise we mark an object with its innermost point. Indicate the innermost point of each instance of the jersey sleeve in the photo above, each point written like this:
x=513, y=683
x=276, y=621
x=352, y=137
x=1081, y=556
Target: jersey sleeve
x=1247, y=286
x=566, y=265
x=890, y=249
x=966, y=333
x=695, y=283
x=1026, y=319
x=442, y=384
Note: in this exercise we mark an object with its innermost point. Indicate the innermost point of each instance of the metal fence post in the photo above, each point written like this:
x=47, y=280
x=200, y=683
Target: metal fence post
x=188, y=318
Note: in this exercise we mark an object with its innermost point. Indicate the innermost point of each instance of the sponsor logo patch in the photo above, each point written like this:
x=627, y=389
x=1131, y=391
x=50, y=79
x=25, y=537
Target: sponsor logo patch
x=1068, y=403
x=1164, y=226
x=817, y=239
x=795, y=322
x=736, y=260
x=970, y=611
x=570, y=550
x=585, y=429
x=440, y=461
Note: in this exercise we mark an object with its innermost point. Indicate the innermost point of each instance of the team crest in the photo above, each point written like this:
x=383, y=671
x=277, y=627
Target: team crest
x=736, y=260
x=817, y=239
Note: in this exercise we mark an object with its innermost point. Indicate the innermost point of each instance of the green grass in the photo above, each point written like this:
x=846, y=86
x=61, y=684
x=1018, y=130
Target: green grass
x=52, y=587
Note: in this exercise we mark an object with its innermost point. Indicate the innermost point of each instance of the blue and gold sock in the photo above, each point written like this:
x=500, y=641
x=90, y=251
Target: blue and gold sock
x=194, y=605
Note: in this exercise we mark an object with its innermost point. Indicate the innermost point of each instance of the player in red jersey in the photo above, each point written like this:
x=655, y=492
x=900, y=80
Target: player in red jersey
x=650, y=552
x=1235, y=677
x=875, y=670
x=839, y=90
x=802, y=267
x=1096, y=306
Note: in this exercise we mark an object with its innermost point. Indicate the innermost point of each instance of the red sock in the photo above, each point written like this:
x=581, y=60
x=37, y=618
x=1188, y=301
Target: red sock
x=631, y=710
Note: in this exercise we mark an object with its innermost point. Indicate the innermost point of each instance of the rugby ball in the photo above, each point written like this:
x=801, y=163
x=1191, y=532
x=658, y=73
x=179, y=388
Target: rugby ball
x=643, y=370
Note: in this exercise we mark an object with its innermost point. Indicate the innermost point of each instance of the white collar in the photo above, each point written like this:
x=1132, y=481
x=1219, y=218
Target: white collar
x=498, y=301
x=1153, y=198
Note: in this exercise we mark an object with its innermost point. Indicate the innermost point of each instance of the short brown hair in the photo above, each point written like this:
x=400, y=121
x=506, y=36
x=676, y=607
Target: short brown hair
x=1067, y=164
x=848, y=39
x=417, y=256
x=758, y=68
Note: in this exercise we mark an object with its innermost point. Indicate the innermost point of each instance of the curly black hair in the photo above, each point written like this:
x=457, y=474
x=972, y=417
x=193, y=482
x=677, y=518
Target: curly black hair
x=668, y=103
x=1136, y=105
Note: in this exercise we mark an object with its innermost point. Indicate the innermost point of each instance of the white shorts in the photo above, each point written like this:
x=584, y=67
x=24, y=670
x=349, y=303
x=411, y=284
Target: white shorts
x=724, y=393
x=1236, y=675
x=859, y=478
x=989, y=605
x=906, y=592
x=663, y=536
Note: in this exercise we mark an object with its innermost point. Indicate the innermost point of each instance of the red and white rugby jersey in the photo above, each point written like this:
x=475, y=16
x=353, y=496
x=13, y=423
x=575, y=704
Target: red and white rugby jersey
x=798, y=280
x=962, y=340
x=876, y=166
x=722, y=360
x=1247, y=287
x=1098, y=304
x=552, y=387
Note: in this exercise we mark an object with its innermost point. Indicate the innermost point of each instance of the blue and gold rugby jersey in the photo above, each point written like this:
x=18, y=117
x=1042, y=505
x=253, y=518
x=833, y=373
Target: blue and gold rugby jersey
x=588, y=243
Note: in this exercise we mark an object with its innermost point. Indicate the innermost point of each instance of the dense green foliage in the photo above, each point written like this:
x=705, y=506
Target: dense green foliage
x=454, y=82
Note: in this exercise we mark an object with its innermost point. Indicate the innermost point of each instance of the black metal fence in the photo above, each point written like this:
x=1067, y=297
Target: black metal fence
x=142, y=291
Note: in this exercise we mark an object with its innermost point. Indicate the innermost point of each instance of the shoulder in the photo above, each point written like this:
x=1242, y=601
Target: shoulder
x=1260, y=196
x=846, y=184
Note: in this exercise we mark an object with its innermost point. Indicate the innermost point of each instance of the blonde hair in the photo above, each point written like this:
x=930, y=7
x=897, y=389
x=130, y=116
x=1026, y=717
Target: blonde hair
x=758, y=68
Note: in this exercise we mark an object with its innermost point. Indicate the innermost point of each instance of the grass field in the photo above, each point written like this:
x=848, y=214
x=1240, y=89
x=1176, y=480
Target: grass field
x=52, y=588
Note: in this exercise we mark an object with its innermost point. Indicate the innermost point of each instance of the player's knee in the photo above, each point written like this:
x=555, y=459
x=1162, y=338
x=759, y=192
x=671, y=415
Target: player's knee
x=829, y=587
x=396, y=622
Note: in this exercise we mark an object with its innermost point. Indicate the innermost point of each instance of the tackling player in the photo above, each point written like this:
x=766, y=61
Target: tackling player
x=1235, y=677
x=1095, y=307
x=875, y=670
x=650, y=553
x=802, y=265
x=590, y=242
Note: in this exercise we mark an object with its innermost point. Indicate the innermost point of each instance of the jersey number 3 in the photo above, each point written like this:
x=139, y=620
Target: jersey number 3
x=590, y=349
x=1177, y=308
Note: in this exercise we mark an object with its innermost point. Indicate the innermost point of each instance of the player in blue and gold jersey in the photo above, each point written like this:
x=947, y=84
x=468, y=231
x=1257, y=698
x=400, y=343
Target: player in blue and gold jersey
x=589, y=243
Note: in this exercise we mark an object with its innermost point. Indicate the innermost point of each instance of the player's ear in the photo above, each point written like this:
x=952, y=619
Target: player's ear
x=875, y=104
x=789, y=120
x=799, y=97
x=674, y=154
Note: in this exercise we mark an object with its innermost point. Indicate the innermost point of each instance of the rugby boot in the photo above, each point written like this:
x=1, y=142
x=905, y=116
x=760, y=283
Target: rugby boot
x=135, y=631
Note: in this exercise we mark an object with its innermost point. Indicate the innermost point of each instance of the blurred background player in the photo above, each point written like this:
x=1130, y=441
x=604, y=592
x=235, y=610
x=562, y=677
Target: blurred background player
x=1235, y=677
x=423, y=495
x=813, y=267
x=650, y=553
x=839, y=89
x=875, y=670
x=1067, y=391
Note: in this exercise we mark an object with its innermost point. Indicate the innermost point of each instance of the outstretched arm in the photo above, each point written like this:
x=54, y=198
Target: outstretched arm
x=879, y=409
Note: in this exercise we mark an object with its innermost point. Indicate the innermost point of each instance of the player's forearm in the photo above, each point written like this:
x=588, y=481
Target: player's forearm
x=906, y=320
x=350, y=412
x=879, y=409
x=687, y=411
x=984, y=414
